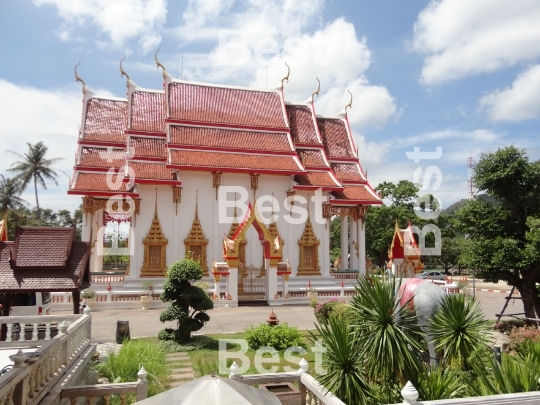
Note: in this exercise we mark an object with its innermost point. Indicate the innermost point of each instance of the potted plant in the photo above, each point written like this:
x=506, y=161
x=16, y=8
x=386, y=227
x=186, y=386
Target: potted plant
x=89, y=297
x=148, y=287
x=312, y=293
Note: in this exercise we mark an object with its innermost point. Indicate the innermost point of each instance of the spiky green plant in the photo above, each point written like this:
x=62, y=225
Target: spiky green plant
x=459, y=329
x=344, y=373
x=442, y=383
x=388, y=335
x=516, y=373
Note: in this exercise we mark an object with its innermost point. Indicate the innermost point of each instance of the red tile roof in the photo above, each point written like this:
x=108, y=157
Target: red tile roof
x=230, y=139
x=105, y=120
x=302, y=124
x=97, y=182
x=356, y=193
x=101, y=158
x=42, y=248
x=316, y=179
x=311, y=158
x=148, y=147
x=223, y=105
x=347, y=172
x=195, y=159
x=74, y=278
x=335, y=138
x=151, y=171
x=148, y=111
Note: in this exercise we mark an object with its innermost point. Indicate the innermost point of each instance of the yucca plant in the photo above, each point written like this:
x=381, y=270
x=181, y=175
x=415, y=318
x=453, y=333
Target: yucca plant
x=441, y=383
x=459, y=329
x=344, y=373
x=516, y=373
x=388, y=335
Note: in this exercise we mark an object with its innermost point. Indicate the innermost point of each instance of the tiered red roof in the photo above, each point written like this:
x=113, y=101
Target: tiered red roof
x=201, y=127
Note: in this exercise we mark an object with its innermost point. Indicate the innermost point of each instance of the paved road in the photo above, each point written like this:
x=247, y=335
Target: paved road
x=235, y=319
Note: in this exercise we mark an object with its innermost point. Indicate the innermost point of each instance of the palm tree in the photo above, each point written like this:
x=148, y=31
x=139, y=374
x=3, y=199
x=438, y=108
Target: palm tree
x=9, y=197
x=33, y=166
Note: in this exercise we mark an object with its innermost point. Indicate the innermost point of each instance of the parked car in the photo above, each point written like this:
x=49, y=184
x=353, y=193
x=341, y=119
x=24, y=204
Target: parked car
x=30, y=304
x=433, y=275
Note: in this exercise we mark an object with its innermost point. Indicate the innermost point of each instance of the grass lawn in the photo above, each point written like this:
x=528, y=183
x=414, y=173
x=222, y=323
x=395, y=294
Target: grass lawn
x=205, y=361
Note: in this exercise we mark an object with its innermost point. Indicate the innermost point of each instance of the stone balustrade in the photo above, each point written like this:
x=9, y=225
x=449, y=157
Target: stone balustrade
x=31, y=378
x=311, y=392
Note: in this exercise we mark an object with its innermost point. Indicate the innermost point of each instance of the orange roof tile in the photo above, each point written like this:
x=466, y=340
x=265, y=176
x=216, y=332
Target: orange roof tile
x=148, y=147
x=101, y=158
x=148, y=111
x=311, y=158
x=356, y=193
x=225, y=138
x=316, y=179
x=302, y=125
x=335, y=138
x=105, y=120
x=98, y=182
x=347, y=172
x=233, y=160
x=151, y=171
x=223, y=105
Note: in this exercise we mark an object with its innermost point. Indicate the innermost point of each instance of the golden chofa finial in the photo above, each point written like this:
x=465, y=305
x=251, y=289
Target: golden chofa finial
x=350, y=102
x=123, y=72
x=158, y=63
x=286, y=76
x=316, y=92
x=78, y=79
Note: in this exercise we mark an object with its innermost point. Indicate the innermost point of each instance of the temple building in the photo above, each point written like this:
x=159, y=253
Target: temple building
x=164, y=161
x=404, y=254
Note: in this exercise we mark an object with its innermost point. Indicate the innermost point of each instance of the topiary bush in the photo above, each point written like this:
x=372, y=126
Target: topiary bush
x=279, y=337
x=188, y=302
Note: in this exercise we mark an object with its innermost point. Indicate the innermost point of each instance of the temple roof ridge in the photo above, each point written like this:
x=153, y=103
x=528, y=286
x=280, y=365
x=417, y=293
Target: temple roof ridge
x=224, y=86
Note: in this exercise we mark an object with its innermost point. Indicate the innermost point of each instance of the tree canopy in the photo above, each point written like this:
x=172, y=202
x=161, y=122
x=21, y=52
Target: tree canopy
x=504, y=234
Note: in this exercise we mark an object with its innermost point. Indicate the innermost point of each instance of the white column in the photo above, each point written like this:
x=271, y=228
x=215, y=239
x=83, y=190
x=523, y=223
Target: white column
x=271, y=283
x=97, y=262
x=86, y=227
x=362, y=245
x=232, y=283
x=344, y=243
x=285, y=285
x=217, y=285
x=354, y=239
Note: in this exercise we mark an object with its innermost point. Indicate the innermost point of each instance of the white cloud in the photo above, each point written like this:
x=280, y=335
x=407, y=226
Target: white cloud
x=31, y=115
x=121, y=20
x=517, y=103
x=333, y=53
x=463, y=38
x=454, y=138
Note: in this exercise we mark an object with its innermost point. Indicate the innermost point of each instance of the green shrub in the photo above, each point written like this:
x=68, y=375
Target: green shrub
x=279, y=337
x=134, y=354
x=520, y=336
x=197, y=342
x=334, y=307
x=507, y=326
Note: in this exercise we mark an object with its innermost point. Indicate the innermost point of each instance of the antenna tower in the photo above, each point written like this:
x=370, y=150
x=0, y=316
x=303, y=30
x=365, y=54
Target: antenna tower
x=470, y=164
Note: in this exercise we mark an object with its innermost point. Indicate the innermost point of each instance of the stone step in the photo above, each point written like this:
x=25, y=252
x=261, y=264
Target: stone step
x=183, y=376
x=181, y=370
x=177, y=383
x=177, y=354
x=177, y=358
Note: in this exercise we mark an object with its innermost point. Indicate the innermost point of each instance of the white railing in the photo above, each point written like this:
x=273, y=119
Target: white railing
x=311, y=392
x=410, y=396
x=31, y=379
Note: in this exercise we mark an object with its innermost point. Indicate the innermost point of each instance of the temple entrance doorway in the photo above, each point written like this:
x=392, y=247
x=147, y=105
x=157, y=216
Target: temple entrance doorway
x=251, y=268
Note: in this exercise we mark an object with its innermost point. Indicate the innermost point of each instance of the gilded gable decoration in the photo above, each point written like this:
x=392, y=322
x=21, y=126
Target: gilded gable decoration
x=177, y=196
x=216, y=181
x=155, y=249
x=196, y=241
x=309, y=252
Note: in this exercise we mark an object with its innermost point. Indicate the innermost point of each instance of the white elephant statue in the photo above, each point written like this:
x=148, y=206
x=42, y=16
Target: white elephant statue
x=426, y=297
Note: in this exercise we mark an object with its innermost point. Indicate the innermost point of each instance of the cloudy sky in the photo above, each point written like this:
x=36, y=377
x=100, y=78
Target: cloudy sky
x=462, y=75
